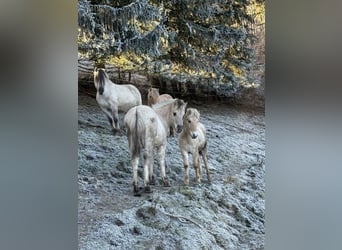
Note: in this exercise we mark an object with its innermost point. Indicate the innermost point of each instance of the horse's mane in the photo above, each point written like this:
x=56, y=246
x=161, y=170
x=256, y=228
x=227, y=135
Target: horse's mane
x=163, y=103
x=102, y=75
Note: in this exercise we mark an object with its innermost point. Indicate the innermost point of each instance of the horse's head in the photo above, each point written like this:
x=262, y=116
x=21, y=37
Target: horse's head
x=190, y=122
x=152, y=95
x=99, y=79
x=178, y=111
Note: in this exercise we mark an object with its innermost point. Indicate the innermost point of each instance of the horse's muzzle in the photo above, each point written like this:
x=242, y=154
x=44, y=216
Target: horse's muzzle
x=179, y=128
x=193, y=135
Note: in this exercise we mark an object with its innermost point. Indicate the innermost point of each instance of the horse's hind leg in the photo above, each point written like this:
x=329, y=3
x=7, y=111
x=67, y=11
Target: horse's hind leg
x=135, y=162
x=151, y=178
x=161, y=157
x=147, y=166
x=205, y=159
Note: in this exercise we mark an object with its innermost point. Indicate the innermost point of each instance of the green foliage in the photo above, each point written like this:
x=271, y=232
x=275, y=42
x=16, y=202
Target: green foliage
x=197, y=38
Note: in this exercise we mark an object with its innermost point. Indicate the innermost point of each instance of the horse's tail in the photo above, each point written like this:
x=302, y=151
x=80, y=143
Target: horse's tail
x=101, y=77
x=137, y=135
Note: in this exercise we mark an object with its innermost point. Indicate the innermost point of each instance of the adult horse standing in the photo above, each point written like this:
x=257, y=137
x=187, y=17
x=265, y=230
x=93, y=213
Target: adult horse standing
x=146, y=130
x=113, y=98
x=172, y=111
x=154, y=97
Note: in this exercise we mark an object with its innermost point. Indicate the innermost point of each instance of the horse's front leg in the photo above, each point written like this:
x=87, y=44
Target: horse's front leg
x=172, y=132
x=161, y=157
x=115, y=114
x=110, y=119
x=108, y=113
x=197, y=166
x=186, y=166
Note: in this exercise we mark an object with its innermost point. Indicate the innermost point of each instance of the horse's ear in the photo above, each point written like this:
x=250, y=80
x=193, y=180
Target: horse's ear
x=182, y=103
x=197, y=114
x=194, y=112
x=179, y=102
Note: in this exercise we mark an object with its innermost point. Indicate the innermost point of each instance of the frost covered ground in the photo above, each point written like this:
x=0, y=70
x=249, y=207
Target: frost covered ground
x=228, y=214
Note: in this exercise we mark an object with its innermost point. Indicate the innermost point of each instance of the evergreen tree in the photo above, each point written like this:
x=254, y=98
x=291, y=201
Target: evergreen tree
x=203, y=39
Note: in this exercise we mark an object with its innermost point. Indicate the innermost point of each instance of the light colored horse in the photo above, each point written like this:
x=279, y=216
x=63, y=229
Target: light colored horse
x=172, y=111
x=193, y=140
x=113, y=98
x=147, y=129
x=153, y=96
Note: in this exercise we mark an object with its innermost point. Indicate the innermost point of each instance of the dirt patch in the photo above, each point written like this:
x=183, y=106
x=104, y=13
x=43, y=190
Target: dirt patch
x=228, y=214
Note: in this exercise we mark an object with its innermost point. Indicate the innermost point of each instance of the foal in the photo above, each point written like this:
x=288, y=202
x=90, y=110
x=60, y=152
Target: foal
x=193, y=140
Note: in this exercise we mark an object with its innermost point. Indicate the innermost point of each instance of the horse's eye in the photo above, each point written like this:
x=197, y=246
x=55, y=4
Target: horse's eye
x=174, y=114
x=189, y=121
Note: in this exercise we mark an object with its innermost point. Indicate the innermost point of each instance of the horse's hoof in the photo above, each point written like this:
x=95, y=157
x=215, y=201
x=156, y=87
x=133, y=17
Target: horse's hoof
x=136, y=190
x=148, y=189
x=117, y=132
x=152, y=181
x=166, y=183
x=186, y=181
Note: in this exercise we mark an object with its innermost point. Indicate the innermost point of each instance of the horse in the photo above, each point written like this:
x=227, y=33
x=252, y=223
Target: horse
x=113, y=98
x=193, y=140
x=172, y=111
x=147, y=129
x=153, y=96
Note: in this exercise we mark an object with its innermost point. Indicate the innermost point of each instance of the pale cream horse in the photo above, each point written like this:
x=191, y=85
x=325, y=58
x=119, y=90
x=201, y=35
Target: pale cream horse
x=146, y=130
x=154, y=97
x=193, y=140
x=172, y=111
x=113, y=98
